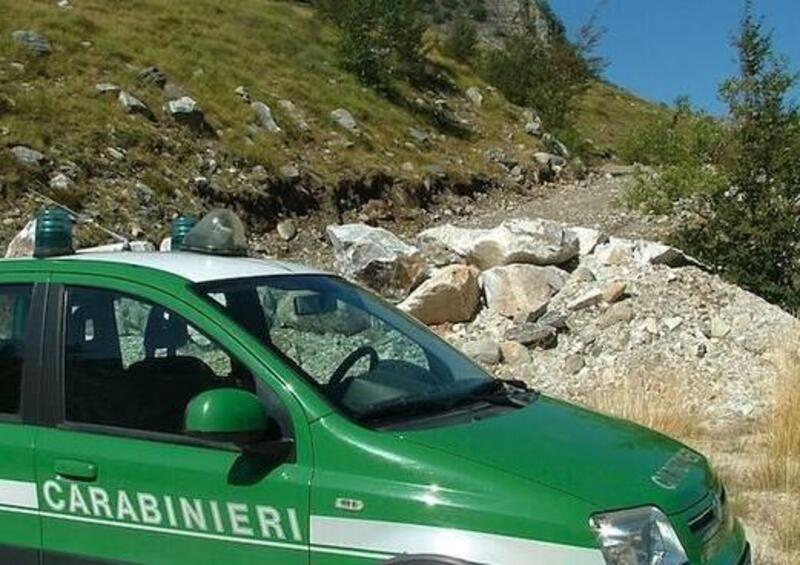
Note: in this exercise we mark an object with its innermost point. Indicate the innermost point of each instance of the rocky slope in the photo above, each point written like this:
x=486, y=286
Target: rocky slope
x=135, y=114
x=575, y=312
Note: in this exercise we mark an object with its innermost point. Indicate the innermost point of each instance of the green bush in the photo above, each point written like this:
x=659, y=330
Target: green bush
x=744, y=180
x=545, y=75
x=461, y=42
x=686, y=137
x=659, y=193
x=381, y=40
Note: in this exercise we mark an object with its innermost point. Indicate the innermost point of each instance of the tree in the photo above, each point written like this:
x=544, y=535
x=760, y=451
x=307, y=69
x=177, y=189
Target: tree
x=462, y=39
x=547, y=74
x=750, y=228
x=380, y=39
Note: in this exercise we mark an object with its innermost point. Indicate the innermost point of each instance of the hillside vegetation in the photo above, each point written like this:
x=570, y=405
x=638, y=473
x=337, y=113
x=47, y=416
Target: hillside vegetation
x=135, y=172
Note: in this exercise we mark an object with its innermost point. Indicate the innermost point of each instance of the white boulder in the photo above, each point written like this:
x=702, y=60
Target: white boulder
x=452, y=294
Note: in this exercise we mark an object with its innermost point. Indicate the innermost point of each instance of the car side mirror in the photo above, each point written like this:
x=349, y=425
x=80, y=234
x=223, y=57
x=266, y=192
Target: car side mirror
x=232, y=416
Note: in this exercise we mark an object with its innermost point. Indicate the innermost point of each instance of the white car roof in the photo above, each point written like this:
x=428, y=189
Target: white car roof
x=197, y=267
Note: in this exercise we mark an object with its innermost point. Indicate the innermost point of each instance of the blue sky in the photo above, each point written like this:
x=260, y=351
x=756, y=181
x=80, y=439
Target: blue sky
x=661, y=49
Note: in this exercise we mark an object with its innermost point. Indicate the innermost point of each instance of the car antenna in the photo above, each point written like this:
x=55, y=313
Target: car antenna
x=84, y=219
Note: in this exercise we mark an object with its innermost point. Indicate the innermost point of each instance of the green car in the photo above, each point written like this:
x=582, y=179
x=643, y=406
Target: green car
x=200, y=406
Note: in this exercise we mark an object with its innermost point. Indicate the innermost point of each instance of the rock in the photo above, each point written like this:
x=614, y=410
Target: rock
x=574, y=364
x=377, y=258
x=452, y=294
x=474, y=96
x=515, y=353
x=516, y=290
x=290, y=172
x=24, y=242
x=33, y=41
x=65, y=4
x=583, y=275
x=622, y=312
x=486, y=352
x=555, y=146
x=62, y=182
x=174, y=91
x=151, y=75
x=718, y=328
x=615, y=252
x=533, y=335
x=296, y=115
x=535, y=315
x=144, y=193
x=243, y=94
x=447, y=244
x=345, y=120
x=588, y=239
x=107, y=88
x=651, y=326
x=673, y=323
x=555, y=320
x=653, y=253
x=116, y=154
x=27, y=157
x=264, y=117
x=532, y=123
x=614, y=292
x=538, y=242
x=375, y=210
x=133, y=105
x=287, y=229
x=186, y=111
x=586, y=300
x=419, y=136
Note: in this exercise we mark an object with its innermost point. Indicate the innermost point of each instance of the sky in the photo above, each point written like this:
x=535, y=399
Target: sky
x=663, y=49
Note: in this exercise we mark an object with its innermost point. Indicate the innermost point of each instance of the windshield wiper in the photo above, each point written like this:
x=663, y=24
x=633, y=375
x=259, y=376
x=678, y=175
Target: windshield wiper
x=495, y=392
x=409, y=406
x=498, y=392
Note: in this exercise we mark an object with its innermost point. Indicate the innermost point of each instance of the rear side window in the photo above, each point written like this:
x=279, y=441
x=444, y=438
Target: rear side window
x=15, y=302
x=135, y=365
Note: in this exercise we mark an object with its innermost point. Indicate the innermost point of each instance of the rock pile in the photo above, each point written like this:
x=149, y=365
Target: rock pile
x=575, y=312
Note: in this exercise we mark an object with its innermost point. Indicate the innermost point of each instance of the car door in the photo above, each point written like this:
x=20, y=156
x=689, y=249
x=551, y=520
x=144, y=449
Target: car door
x=20, y=322
x=117, y=478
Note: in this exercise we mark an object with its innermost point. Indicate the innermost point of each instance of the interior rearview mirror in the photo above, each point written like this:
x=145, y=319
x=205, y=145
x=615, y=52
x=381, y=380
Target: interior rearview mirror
x=314, y=305
x=232, y=416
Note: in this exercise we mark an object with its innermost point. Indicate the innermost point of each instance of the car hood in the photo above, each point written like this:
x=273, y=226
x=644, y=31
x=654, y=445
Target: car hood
x=608, y=462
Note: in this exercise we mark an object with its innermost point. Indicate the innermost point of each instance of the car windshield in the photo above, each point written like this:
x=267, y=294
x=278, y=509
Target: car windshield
x=365, y=355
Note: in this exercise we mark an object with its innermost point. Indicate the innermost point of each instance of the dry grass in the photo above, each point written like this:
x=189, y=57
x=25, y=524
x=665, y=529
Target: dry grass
x=760, y=462
x=780, y=468
x=658, y=405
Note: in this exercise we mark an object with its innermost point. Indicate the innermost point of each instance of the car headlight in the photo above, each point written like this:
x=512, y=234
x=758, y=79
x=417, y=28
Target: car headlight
x=640, y=536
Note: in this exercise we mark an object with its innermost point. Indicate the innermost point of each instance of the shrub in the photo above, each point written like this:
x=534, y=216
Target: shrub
x=686, y=137
x=547, y=75
x=744, y=177
x=462, y=39
x=380, y=39
x=751, y=228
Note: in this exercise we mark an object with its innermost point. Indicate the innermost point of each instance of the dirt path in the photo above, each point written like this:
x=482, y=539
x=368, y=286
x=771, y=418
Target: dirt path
x=593, y=203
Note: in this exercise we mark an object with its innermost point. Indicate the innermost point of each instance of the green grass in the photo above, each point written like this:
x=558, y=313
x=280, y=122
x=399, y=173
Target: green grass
x=608, y=116
x=277, y=50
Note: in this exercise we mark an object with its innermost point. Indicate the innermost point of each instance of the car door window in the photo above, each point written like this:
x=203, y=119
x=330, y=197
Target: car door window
x=136, y=365
x=14, y=307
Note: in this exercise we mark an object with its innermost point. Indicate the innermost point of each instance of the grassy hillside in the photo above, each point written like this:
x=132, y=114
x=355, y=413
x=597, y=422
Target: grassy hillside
x=277, y=50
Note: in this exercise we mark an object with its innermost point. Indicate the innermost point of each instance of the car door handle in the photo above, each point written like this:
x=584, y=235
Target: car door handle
x=76, y=470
